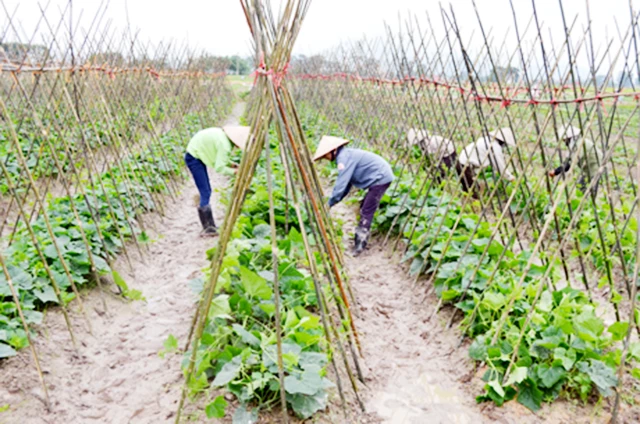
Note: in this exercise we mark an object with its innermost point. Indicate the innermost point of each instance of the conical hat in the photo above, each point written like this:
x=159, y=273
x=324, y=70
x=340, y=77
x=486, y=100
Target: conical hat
x=505, y=135
x=569, y=131
x=415, y=135
x=237, y=134
x=327, y=144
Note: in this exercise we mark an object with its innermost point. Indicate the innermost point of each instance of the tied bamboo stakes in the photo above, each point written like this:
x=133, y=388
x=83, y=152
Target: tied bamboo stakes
x=92, y=129
x=507, y=261
x=272, y=104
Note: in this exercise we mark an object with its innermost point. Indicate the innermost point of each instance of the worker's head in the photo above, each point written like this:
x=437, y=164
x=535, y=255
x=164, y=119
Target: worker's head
x=568, y=133
x=415, y=136
x=238, y=135
x=328, y=148
x=504, y=136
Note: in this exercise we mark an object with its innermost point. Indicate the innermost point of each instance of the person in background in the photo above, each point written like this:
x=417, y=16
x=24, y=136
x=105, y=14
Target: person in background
x=210, y=148
x=363, y=170
x=588, y=164
x=441, y=150
x=487, y=151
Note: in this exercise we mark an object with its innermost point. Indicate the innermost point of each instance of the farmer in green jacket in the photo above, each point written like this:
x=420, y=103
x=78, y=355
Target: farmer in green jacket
x=210, y=148
x=588, y=163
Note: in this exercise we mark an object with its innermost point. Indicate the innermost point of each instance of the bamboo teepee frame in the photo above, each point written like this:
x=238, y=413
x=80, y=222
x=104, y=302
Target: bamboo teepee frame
x=272, y=103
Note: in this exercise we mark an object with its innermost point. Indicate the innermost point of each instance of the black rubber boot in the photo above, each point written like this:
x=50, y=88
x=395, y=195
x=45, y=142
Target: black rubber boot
x=361, y=238
x=206, y=219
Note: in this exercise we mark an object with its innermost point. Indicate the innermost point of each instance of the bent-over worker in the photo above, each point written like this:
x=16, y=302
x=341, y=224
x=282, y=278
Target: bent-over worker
x=363, y=170
x=441, y=150
x=210, y=147
x=487, y=151
x=588, y=165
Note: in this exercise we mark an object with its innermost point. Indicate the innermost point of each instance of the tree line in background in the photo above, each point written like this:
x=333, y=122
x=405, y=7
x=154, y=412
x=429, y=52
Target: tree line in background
x=39, y=54
x=237, y=65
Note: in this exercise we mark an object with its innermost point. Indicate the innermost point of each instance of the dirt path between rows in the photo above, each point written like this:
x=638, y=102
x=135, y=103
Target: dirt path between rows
x=116, y=375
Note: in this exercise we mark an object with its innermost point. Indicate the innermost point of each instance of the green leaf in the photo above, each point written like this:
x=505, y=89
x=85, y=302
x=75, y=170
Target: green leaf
x=567, y=357
x=170, y=346
x=478, y=349
x=6, y=351
x=305, y=406
x=313, y=359
x=416, y=266
x=618, y=330
x=171, y=343
x=587, y=326
x=101, y=264
x=196, y=285
x=244, y=416
x=228, y=373
x=220, y=307
x=246, y=336
x=254, y=285
x=216, y=408
x=529, y=395
x=549, y=376
x=120, y=281
x=306, y=383
x=495, y=385
x=262, y=231
x=494, y=300
x=546, y=302
x=517, y=376
x=292, y=319
x=602, y=376
x=636, y=373
x=50, y=252
x=33, y=317
x=449, y=294
x=634, y=350
x=46, y=295
x=290, y=353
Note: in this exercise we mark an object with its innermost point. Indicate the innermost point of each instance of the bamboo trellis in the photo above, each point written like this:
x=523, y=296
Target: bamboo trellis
x=93, y=125
x=462, y=86
x=271, y=103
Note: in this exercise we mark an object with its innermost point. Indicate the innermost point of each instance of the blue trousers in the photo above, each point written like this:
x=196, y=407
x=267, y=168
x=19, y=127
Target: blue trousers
x=199, y=171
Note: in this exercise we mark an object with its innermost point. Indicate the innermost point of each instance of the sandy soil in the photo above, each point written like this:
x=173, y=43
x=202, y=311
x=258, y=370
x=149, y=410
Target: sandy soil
x=116, y=375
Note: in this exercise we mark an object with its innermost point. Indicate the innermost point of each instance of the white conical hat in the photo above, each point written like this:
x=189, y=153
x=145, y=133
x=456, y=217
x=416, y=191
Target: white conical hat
x=414, y=135
x=237, y=134
x=505, y=135
x=327, y=144
x=568, y=131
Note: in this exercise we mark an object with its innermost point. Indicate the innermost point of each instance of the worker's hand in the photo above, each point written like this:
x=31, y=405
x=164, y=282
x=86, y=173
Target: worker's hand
x=552, y=173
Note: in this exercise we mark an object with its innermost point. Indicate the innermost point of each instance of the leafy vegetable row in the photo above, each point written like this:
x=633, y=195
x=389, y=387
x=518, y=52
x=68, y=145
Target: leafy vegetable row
x=126, y=191
x=238, y=349
x=567, y=350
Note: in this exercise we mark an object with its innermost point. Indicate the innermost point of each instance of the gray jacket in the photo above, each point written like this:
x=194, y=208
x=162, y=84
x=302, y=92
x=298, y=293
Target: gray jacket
x=360, y=169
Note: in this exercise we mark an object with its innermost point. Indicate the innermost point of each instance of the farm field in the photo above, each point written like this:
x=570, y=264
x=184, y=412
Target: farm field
x=501, y=291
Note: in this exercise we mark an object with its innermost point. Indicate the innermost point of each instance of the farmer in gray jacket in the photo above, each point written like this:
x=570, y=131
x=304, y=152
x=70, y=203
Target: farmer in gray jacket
x=364, y=170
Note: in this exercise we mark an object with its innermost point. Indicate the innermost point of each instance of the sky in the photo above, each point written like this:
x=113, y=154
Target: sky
x=218, y=26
